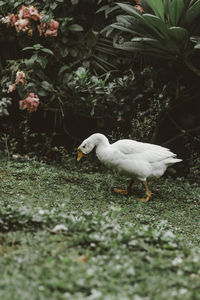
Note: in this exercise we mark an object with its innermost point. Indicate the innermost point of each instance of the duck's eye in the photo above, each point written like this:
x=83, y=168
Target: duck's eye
x=84, y=146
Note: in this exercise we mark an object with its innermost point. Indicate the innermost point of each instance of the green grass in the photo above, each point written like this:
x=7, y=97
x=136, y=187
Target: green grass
x=112, y=246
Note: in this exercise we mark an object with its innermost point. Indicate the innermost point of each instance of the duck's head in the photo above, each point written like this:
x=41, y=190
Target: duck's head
x=88, y=145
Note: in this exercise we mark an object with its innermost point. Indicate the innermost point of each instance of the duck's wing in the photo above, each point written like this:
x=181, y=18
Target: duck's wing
x=145, y=151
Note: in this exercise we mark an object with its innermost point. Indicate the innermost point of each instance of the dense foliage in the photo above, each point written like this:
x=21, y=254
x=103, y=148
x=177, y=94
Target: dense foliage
x=66, y=62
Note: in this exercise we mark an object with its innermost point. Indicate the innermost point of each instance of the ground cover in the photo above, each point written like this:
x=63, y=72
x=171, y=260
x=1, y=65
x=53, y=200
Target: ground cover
x=65, y=235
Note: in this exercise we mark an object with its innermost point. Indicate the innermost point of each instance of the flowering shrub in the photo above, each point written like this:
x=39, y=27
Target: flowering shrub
x=28, y=19
x=52, y=39
x=46, y=45
x=23, y=21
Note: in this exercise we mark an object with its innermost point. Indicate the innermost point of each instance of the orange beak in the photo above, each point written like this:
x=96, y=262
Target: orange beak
x=80, y=154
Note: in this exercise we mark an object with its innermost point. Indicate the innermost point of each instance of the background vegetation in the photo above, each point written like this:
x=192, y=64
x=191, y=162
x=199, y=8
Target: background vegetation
x=126, y=69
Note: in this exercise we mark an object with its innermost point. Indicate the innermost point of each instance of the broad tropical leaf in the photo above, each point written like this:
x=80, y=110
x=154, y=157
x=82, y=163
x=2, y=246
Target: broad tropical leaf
x=131, y=10
x=175, y=11
x=181, y=35
x=158, y=8
x=165, y=34
x=156, y=24
x=193, y=12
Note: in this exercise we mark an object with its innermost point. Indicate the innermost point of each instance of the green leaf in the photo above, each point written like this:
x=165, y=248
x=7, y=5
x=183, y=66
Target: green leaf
x=42, y=61
x=47, y=18
x=64, y=51
x=156, y=45
x=156, y=24
x=75, y=27
x=167, y=4
x=81, y=72
x=131, y=10
x=158, y=8
x=27, y=48
x=110, y=10
x=176, y=10
x=46, y=50
x=47, y=86
x=141, y=48
x=103, y=8
x=192, y=13
x=125, y=20
x=2, y=3
x=30, y=62
x=123, y=28
x=74, y=2
x=197, y=46
x=37, y=46
x=103, y=61
x=63, y=69
x=42, y=92
x=53, y=5
x=180, y=34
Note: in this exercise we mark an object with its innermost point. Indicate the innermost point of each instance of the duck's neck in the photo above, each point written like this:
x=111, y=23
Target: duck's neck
x=100, y=140
x=102, y=144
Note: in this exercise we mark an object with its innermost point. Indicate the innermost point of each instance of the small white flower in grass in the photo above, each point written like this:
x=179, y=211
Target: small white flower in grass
x=177, y=261
x=59, y=227
x=183, y=291
x=168, y=235
x=95, y=294
x=138, y=297
x=43, y=211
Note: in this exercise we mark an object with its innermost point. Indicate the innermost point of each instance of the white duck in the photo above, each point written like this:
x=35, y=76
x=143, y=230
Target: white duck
x=130, y=158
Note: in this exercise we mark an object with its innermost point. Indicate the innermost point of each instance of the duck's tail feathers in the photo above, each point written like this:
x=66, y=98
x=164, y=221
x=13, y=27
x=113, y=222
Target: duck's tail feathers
x=171, y=161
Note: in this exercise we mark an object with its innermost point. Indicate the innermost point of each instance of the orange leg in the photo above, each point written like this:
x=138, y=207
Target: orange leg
x=148, y=193
x=126, y=191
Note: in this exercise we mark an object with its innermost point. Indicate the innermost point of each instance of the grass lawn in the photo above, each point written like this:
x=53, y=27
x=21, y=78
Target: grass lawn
x=65, y=235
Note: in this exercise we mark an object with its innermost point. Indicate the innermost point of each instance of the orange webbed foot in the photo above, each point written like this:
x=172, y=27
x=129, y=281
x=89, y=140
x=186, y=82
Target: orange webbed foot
x=120, y=191
x=149, y=195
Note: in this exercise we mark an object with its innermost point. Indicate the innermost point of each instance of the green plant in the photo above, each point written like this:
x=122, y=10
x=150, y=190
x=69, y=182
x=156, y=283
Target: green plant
x=168, y=29
x=41, y=54
x=131, y=102
x=9, y=146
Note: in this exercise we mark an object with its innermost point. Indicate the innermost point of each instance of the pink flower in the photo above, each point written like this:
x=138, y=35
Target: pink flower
x=49, y=32
x=30, y=103
x=29, y=12
x=20, y=78
x=13, y=19
x=23, y=21
x=33, y=13
x=11, y=88
x=23, y=12
x=138, y=7
x=22, y=25
x=9, y=20
x=52, y=28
